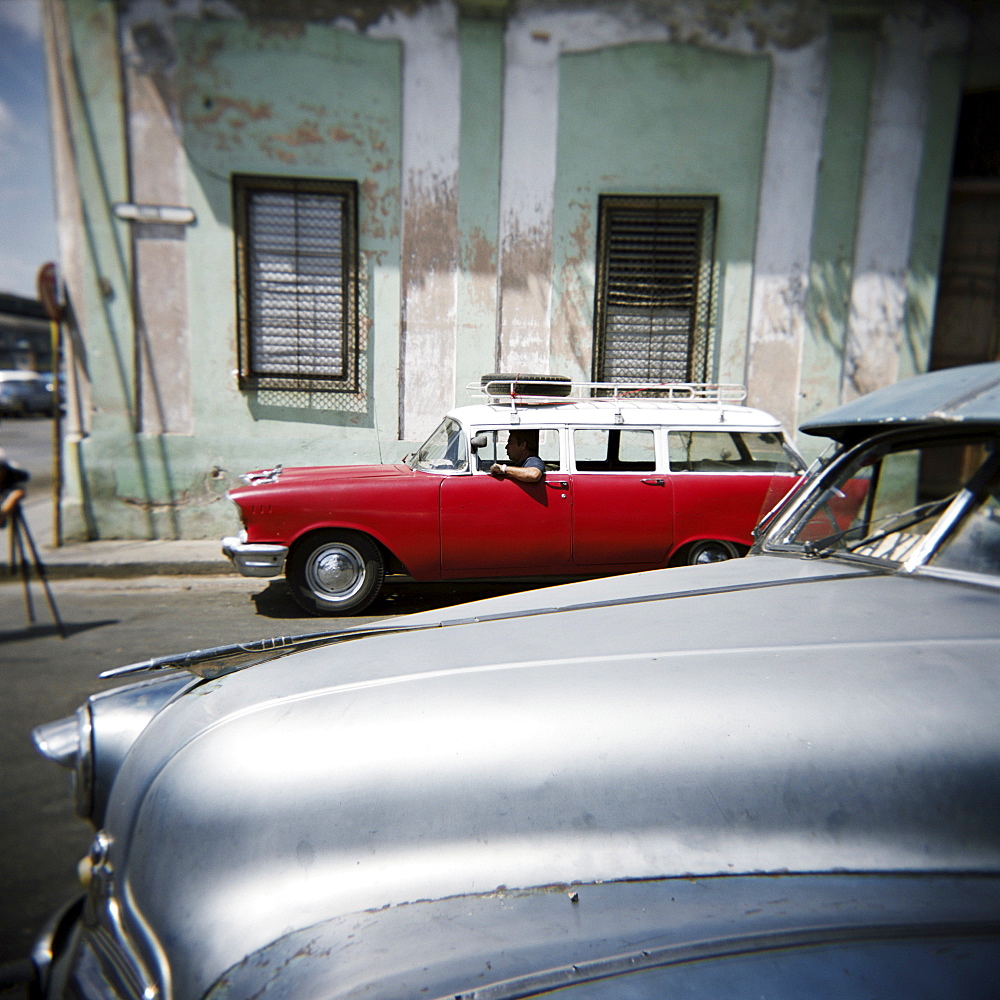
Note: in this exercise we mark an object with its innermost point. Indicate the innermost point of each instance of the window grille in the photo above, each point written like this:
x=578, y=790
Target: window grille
x=655, y=289
x=296, y=246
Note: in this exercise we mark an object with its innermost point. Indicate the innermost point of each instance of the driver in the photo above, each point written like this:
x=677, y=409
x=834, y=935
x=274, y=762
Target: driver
x=525, y=465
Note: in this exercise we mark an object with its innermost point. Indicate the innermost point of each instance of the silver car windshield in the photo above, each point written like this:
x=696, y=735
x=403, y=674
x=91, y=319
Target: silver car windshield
x=446, y=450
x=890, y=504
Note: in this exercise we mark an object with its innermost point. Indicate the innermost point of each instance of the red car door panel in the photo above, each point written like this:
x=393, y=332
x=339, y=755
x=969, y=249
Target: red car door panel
x=621, y=518
x=490, y=525
x=724, y=505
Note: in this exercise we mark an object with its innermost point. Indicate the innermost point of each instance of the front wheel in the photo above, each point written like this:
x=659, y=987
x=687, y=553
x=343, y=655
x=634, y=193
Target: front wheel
x=335, y=572
x=711, y=552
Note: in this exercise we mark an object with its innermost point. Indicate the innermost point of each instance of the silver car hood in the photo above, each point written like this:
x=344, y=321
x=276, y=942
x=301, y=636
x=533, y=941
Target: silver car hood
x=524, y=751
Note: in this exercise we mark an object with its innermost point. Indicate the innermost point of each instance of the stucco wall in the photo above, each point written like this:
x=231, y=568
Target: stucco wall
x=693, y=125
x=481, y=145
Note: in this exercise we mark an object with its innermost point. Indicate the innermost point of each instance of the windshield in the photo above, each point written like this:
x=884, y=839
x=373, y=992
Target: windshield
x=884, y=503
x=444, y=451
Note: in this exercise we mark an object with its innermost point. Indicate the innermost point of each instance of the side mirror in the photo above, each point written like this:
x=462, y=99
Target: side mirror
x=479, y=441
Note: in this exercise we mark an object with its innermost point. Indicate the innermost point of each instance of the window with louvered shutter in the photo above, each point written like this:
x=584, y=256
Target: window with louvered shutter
x=654, y=295
x=296, y=243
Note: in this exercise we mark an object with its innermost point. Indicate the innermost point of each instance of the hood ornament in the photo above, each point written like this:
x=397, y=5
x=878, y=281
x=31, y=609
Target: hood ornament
x=262, y=477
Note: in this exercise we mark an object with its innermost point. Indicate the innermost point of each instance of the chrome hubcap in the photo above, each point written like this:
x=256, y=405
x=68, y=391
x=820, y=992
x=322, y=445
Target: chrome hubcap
x=335, y=572
x=712, y=554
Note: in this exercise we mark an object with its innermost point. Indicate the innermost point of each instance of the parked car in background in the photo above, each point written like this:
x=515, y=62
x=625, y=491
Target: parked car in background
x=775, y=776
x=25, y=393
x=638, y=478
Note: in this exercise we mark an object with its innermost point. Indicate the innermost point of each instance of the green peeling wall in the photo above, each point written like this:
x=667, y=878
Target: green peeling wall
x=478, y=199
x=852, y=67
x=315, y=103
x=693, y=124
x=313, y=100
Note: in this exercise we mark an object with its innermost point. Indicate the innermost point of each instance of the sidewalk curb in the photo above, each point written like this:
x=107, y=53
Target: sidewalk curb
x=122, y=570
x=113, y=558
x=124, y=559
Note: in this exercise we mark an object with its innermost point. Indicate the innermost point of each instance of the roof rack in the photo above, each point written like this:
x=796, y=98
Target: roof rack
x=537, y=391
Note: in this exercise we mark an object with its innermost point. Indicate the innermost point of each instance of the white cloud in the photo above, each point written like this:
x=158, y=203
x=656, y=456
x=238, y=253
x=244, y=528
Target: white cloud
x=10, y=154
x=6, y=118
x=10, y=147
x=24, y=15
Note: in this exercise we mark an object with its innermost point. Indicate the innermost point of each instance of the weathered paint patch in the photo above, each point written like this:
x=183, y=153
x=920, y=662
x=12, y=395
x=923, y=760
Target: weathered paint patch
x=889, y=197
x=430, y=267
x=481, y=51
x=853, y=52
x=431, y=86
x=776, y=345
x=525, y=290
x=527, y=184
x=234, y=112
x=573, y=319
x=784, y=234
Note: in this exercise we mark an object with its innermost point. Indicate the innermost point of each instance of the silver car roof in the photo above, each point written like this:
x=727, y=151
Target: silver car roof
x=968, y=394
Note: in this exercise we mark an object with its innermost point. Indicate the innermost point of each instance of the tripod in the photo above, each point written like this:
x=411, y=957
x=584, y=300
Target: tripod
x=21, y=545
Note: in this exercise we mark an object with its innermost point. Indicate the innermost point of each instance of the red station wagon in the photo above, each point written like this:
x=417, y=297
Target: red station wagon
x=636, y=478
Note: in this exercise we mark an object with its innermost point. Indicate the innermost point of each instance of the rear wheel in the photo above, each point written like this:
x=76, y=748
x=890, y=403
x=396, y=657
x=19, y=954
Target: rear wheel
x=710, y=552
x=335, y=572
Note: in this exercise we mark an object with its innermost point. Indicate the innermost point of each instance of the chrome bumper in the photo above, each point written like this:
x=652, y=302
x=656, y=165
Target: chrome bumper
x=255, y=560
x=52, y=942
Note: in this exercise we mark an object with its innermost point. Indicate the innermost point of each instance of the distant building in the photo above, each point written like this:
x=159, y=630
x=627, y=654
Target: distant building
x=294, y=231
x=25, y=335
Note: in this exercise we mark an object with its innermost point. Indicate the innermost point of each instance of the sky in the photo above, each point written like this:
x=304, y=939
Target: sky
x=27, y=213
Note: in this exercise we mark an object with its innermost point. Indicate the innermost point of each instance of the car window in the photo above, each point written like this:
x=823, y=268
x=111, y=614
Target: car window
x=730, y=451
x=618, y=449
x=444, y=451
x=495, y=449
x=884, y=503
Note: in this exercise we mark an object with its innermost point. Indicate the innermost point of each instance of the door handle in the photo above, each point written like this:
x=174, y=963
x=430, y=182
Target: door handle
x=653, y=482
x=559, y=484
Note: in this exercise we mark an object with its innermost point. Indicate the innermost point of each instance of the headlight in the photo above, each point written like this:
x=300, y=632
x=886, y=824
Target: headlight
x=93, y=743
x=68, y=743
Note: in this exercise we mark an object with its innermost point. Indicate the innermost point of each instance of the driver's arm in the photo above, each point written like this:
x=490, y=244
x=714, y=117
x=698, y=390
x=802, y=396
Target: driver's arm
x=515, y=472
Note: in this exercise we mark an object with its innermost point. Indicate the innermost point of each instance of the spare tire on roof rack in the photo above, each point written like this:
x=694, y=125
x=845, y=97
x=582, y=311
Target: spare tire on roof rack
x=518, y=384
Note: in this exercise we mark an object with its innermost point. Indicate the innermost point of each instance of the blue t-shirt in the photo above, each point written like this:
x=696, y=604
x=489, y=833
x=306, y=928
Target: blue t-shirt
x=533, y=462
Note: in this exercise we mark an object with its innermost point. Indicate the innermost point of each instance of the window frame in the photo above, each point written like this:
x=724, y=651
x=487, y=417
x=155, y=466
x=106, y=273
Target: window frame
x=251, y=373
x=614, y=466
x=481, y=465
x=702, y=277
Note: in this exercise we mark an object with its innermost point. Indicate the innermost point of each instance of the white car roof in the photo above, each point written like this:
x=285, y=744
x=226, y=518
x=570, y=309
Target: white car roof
x=509, y=400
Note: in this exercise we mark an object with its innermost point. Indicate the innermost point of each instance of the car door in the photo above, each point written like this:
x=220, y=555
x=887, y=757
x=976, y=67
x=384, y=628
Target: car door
x=622, y=508
x=496, y=527
x=725, y=480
